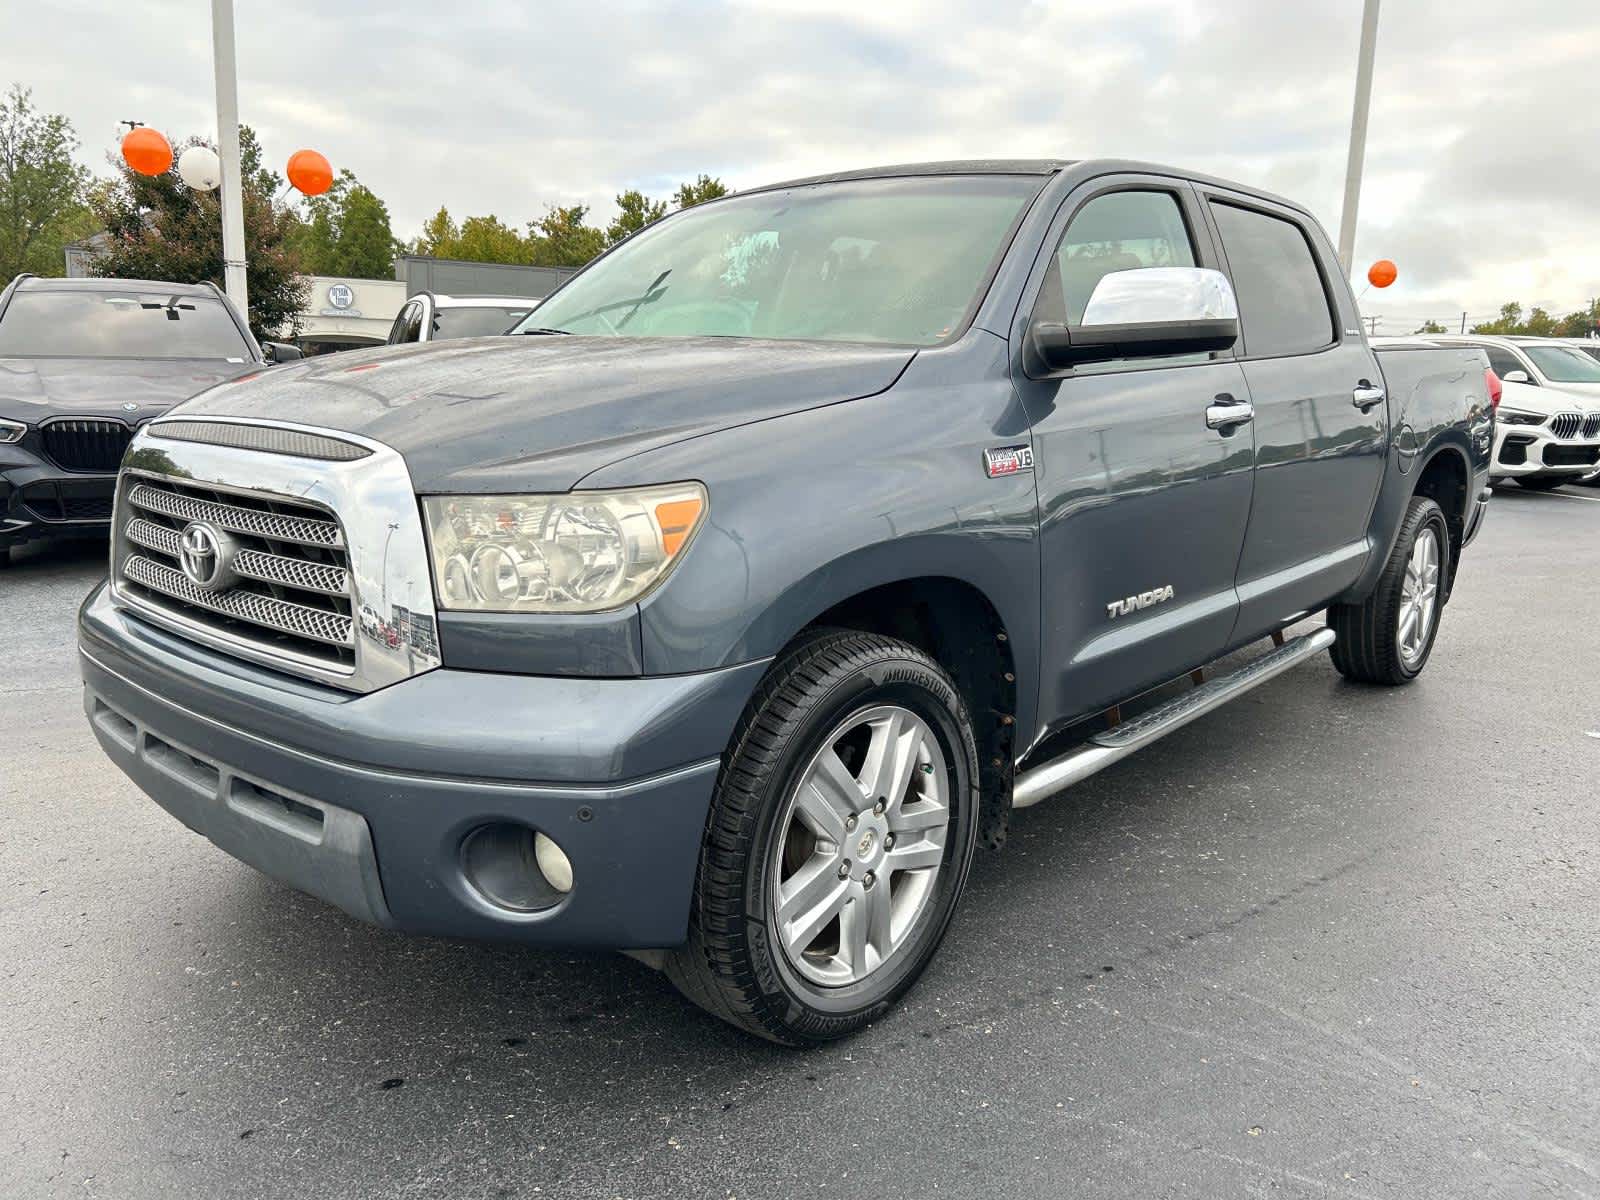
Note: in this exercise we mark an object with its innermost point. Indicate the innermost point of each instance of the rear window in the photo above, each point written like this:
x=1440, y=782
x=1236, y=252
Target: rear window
x=458, y=322
x=102, y=324
x=1283, y=306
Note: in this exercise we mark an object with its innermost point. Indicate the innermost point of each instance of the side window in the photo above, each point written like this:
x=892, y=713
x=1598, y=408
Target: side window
x=1116, y=231
x=397, y=331
x=1283, y=307
x=1503, y=360
x=412, y=330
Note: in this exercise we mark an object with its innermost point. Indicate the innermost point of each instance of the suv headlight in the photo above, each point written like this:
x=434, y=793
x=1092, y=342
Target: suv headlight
x=1515, y=416
x=580, y=552
x=11, y=431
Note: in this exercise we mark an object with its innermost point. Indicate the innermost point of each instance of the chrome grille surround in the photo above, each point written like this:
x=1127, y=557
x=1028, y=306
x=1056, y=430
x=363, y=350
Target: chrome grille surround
x=1566, y=424
x=330, y=578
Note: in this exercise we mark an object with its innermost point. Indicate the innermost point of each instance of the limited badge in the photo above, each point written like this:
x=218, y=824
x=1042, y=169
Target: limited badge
x=1007, y=460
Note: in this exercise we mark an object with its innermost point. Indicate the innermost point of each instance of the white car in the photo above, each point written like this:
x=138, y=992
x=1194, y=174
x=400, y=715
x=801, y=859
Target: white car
x=1548, y=428
x=431, y=317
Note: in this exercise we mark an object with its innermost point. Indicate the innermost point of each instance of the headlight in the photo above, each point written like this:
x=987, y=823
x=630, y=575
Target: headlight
x=1515, y=416
x=11, y=431
x=578, y=552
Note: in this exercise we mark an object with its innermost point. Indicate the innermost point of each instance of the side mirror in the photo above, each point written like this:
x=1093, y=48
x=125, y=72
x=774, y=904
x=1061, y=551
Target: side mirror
x=1518, y=376
x=280, y=352
x=1146, y=312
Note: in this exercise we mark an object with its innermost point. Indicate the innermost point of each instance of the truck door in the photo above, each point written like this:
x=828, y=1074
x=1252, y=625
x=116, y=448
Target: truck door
x=1321, y=420
x=1138, y=497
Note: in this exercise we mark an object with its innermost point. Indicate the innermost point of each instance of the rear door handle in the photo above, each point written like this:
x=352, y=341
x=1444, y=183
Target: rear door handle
x=1226, y=412
x=1365, y=396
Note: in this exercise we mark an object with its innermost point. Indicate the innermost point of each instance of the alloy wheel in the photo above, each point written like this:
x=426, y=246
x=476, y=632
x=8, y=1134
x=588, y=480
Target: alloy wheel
x=861, y=842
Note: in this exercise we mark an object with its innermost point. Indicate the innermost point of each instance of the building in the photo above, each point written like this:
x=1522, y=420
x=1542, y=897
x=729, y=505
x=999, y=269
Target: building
x=342, y=314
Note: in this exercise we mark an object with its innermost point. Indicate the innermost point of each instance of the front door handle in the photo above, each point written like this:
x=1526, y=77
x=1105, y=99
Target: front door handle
x=1365, y=396
x=1226, y=412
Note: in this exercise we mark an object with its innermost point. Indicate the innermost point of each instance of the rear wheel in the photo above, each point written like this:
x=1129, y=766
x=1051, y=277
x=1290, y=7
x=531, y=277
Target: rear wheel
x=838, y=843
x=1544, y=483
x=1388, y=638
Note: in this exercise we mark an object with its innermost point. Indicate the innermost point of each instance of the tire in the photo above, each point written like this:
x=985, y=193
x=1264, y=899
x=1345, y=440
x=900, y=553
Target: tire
x=835, y=694
x=1544, y=483
x=1369, y=647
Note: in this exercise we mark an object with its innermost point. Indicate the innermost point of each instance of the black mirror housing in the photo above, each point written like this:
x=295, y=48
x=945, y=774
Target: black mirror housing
x=281, y=352
x=1059, y=347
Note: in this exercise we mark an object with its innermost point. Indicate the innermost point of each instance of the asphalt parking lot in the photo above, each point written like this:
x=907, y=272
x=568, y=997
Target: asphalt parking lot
x=1334, y=942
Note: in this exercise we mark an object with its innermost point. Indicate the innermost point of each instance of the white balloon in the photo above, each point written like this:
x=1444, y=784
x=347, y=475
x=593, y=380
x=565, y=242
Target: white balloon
x=200, y=168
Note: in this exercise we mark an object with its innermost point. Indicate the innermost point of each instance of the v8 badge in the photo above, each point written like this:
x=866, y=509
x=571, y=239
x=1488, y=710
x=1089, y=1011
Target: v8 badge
x=1007, y=460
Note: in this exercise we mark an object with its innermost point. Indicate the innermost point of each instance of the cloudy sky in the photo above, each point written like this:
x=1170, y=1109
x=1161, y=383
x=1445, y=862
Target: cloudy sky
x=1483, y=167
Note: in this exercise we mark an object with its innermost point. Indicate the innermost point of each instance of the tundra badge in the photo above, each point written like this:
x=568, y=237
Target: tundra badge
x=1121, y=608
x=1007, y=460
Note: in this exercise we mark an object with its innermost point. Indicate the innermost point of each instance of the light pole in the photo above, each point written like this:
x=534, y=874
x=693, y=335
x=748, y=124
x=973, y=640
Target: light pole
x=233, y=263
x=1358, y=133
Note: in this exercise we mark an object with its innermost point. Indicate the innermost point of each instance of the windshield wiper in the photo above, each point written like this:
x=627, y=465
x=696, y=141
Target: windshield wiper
x=542, y=330
x=633, y=303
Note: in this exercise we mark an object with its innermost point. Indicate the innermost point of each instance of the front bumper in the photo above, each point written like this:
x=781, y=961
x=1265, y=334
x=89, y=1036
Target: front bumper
x=1523, y=450
x=366, y=800
x=39, y=500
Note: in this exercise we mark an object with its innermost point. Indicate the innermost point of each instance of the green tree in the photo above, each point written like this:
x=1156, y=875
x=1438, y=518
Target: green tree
x=1430, y=326
x=160, y=228
x=702, y=189
x=1580, y=324
x=348, y=233
x=42, y=190
x=438, y=235
x=635, y=210
x=561, y=239
x=489, y=239
x=1509, y=321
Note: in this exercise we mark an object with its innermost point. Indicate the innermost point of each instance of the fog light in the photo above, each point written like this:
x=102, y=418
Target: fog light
x=515, y=867
x=555, y=866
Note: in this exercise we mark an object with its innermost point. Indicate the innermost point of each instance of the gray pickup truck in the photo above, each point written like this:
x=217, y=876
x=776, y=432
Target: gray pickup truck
x=723, y=612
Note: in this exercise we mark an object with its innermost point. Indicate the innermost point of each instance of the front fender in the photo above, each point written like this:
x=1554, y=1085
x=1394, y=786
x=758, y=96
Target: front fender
x=810, y=509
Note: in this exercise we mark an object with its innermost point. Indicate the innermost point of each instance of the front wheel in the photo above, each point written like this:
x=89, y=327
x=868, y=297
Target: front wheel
x=839, y=840
x=1387, y=639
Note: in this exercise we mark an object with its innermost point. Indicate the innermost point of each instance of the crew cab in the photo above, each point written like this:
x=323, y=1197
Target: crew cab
x=433, y=317
x=83, y=363
x=723, y=613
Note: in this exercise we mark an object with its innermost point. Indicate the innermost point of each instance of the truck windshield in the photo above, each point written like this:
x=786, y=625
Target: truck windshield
x=1563, y=364
x=459, y=321
x=875, y=260
x=132, y=324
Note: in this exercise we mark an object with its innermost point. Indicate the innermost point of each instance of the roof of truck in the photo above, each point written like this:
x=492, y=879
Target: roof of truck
x=1025, y=166
x=58, y=284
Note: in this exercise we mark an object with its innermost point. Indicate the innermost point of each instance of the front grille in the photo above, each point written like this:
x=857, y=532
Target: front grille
x=1591, y=425
x=68, y=500
x=85, y=445
x=291, y=598
x=1565, y=425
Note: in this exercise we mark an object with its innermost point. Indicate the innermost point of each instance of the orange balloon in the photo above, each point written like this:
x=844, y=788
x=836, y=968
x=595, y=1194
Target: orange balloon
x=310, y=172
x=146, y=150
x=1382, y=273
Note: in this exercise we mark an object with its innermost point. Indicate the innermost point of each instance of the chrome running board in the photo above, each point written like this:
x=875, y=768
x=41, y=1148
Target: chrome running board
x=1113, y=745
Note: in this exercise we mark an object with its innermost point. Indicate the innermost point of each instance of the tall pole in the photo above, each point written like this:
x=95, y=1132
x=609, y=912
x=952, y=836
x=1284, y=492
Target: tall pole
x=228, y=146
x=1358, y=133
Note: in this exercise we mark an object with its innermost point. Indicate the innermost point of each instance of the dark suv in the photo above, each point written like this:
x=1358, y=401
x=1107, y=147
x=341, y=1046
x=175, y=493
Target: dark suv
x=85, y=362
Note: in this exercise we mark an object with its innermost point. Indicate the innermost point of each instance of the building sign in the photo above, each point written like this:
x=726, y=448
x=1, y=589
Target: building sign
x=341, y=301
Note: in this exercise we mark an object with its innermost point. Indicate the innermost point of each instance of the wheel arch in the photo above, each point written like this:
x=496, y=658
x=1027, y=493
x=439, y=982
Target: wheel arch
x=1446, y=478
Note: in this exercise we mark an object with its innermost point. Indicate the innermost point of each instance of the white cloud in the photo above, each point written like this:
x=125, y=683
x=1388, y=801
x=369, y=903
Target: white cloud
x=1480, y=174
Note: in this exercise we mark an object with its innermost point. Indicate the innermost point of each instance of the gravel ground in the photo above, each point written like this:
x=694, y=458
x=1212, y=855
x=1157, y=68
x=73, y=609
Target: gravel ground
x=1338, y=942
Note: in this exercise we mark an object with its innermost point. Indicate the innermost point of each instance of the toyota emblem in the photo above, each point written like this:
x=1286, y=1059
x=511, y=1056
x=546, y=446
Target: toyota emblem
x=206, y=556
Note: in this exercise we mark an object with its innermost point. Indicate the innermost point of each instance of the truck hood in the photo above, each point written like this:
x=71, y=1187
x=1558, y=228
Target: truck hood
x=539, y=413
x=34, y=388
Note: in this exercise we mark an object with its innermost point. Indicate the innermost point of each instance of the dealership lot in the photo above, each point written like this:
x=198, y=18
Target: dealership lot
x=1333, y=942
